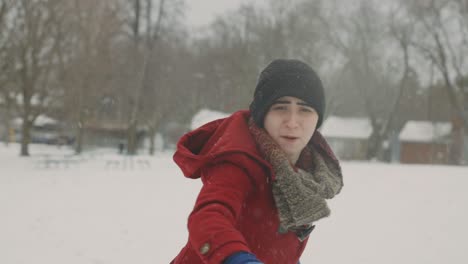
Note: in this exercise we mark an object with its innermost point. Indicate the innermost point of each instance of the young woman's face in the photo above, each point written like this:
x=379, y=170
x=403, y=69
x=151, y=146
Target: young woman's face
x=291, y=123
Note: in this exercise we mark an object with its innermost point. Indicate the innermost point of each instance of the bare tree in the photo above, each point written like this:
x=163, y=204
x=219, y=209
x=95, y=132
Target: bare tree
x=242, y=42
x=36, y=24
x=442, y=41
x=437, y=42
x=86, y=69
x=147, y=33
x=7, y=74
x=230, y=59
x=146, y=47
x=364, y=44
x=401, y=30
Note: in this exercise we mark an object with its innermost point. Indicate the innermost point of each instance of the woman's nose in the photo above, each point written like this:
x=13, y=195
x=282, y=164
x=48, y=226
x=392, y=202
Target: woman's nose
x=292, y=120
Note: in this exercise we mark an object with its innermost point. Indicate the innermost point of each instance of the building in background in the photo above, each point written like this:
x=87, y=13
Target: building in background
x=425, y=142
x=348, y=137
x=110, y=134
x=45, y=130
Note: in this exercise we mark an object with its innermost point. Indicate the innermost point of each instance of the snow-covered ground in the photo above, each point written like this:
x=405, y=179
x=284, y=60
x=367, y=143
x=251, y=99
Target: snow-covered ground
x=103, y=208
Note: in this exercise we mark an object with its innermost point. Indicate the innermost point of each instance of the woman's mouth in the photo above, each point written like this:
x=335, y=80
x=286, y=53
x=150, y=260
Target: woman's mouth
x=289, y=138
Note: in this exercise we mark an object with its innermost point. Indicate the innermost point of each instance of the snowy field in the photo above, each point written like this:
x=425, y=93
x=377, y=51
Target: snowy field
x=103, y=208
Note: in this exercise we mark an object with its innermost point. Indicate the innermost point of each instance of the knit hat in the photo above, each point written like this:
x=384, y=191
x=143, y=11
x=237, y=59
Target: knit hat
x=287, y=78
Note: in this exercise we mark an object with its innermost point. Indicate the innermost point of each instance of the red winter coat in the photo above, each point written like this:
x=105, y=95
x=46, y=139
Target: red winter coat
x=235, y=210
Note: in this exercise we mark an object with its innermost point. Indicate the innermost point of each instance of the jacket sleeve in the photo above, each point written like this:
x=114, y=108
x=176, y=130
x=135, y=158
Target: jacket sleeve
x=212, y=223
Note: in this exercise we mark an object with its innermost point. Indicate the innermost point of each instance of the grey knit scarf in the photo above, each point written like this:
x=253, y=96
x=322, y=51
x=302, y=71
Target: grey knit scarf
x=299, y=192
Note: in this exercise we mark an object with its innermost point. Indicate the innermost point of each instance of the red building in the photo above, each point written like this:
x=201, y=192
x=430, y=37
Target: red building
x=426, y=142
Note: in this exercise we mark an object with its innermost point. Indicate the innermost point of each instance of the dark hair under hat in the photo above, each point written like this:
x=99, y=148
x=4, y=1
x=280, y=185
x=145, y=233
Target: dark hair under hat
x=287, y=78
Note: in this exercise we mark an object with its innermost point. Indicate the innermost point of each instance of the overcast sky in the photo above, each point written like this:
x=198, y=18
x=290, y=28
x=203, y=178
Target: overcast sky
x=202, y=12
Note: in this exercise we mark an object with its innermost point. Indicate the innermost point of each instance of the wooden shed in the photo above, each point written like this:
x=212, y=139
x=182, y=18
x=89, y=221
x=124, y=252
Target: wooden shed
x=425, y=142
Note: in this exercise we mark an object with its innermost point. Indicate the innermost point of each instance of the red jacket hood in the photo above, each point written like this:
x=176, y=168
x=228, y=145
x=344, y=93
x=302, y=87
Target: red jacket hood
x=215, y=142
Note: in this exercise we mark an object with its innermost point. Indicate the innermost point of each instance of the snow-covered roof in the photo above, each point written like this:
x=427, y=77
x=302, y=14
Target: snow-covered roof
x=425, y=131
x=41, y=120
x=44, y=120
x=346, y=127
x=204, y=116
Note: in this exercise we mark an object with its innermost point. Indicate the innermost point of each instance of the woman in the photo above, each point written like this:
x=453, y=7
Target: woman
x=266, y=173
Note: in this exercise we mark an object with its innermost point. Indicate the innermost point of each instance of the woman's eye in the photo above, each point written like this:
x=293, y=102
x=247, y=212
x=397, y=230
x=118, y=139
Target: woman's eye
x=279, y=107
x=307, y=109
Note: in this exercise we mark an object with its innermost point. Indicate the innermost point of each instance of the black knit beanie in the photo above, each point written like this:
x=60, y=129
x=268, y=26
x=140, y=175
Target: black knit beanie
x=287, y=78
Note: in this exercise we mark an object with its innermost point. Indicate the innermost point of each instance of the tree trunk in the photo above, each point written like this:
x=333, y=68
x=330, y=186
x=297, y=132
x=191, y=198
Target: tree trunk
x=152, y=134
x=26, y=126
x=79, y=140
x=7, y=137
x=26, y=136
x=133, y=122
x=374, y=145
x=79, y=134
x=131, y=138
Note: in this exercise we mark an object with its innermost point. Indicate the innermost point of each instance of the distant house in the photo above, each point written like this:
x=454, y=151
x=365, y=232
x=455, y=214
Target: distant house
x=110, y=134
x=45, y=130
x=347, y=136
x=425, y=142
